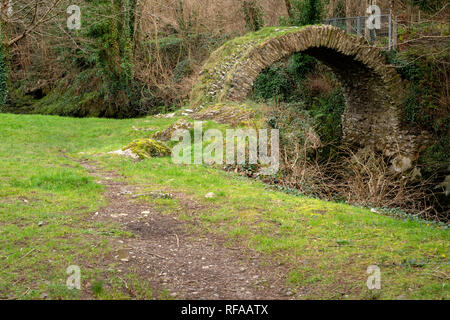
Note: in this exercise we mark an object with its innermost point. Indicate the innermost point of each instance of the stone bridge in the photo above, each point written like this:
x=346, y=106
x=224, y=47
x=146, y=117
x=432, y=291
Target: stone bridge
x=374, y=92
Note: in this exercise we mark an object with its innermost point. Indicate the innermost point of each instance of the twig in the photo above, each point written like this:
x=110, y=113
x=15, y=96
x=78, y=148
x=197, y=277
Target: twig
x=157, y=255
x=126, y=284
x=23, y=294
x=178, y=240
x=27, y=253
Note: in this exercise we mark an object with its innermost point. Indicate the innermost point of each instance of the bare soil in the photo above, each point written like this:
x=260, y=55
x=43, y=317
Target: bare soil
x=171, y=255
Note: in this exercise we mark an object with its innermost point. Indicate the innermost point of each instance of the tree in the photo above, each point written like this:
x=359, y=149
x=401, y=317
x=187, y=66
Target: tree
x=305, y=12
x=254, y=14
x=30, y=16
x=288, y=7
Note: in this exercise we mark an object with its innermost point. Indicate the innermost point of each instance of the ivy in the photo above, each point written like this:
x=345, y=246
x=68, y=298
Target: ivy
x=253, y=14
x=113, y=52
x=305, y=12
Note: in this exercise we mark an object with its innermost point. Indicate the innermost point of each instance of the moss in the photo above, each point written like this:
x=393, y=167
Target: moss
x=148, y=148
x=225, y=60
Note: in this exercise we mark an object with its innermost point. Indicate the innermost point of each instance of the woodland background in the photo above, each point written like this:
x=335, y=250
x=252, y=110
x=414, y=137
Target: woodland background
x=139, y=57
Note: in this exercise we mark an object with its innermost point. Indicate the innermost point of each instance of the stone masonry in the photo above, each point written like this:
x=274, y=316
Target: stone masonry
x=373, y=90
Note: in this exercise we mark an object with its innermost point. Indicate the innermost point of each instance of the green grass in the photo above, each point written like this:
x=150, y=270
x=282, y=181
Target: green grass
x=326, y=253
x=40, y=185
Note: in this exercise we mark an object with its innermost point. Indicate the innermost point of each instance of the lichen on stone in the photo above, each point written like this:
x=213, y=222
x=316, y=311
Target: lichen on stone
x=148, y=148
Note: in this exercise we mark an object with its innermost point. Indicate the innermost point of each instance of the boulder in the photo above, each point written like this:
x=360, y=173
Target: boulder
x=148, y=148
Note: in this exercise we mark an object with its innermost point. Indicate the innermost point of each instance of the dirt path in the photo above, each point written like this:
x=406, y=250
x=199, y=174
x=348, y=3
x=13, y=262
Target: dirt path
x=189, y=265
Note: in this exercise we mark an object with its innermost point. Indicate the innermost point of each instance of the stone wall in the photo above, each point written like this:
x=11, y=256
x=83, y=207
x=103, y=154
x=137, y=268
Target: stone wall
x=373, y=90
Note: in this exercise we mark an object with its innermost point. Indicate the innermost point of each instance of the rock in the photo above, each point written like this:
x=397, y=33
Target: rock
x=147, y=148
x=416, y=174
x=161, y=195
x=125, y=153
x=401, y=164
x=210, y=195
x=446, y=186
x=226, y=113
x=166, y=134
x=142, y=129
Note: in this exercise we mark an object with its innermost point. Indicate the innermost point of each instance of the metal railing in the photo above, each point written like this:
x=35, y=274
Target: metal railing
x=385, y=35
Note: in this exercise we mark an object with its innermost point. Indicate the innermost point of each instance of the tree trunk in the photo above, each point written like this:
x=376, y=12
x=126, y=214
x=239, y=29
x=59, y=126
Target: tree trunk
x=348, y=15
x=331, y=8
x=366, y=30
x=394, y=25
x=288, y=7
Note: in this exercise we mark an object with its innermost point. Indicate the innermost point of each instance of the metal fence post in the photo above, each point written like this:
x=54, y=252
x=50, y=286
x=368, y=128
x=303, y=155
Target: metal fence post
x=390, y=30
x=358, y=26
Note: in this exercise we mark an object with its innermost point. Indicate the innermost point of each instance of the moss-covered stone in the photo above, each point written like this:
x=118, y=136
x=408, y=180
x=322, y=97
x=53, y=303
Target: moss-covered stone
x=148, y=148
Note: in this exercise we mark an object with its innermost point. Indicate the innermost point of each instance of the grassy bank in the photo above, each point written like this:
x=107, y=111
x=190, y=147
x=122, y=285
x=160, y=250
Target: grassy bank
x=46, y=198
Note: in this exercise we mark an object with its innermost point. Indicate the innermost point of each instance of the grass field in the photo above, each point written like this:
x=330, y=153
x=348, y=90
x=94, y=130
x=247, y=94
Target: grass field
x=46, y=197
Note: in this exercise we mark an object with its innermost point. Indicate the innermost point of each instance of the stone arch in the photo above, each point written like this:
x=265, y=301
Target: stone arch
x=373, y=90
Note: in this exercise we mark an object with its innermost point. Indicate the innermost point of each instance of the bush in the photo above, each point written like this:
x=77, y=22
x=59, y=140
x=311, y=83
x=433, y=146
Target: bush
x=273, y=83
x=253, y=14
x=426, y=107
x=303, y=89
x=430, y=6
x=281, y=80
x=305, y=12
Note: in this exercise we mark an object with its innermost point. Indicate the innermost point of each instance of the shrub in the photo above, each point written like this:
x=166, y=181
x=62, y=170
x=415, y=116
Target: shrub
x=305, y=12
x=273, y=83
x=253, y=14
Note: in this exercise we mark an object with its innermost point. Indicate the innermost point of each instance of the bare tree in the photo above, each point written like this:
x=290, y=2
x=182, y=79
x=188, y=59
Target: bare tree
x=288, y=7
x=27, y=18
x=331, y=8
x=348, y=7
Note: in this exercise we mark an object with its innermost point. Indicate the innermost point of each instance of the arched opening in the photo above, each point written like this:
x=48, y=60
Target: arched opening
x=373, y=90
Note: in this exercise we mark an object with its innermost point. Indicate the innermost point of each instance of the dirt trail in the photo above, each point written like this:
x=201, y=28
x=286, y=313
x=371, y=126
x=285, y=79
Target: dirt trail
x=170, y=256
